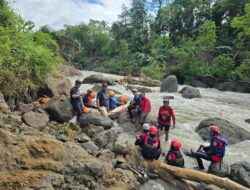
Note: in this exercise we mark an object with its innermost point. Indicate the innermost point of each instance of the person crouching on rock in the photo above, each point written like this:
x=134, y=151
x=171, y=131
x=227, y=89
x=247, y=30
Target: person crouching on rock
x=165, y=114
x=215, y=152
x=88, y=99
x=102, y=100
x=142, y=110
x=140, y=138
x=174, y=156
x=151, y=148
x=134, y=103
x=76, y=100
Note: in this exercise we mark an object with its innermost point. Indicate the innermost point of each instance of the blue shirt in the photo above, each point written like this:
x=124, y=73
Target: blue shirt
x=137, y=100
x=112, y=103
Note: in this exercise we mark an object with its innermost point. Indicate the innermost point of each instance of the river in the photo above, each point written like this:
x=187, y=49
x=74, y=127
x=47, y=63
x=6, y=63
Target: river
x=232, y=106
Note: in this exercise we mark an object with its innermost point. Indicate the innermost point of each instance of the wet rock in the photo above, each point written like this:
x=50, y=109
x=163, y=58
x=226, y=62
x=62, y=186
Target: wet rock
x=36, y=120
x=82, y=138
x=170, y=84
x=240, y=172
x=98, y=120
x=97, y=78
x=58, y=84
x=140, y=88
x=105, y=154
x=198, y=83
x=120, y=148
x=233, y=86
x=218, y=169
x=3, y=105
x=90, y=147
x=230, y=131
x=59, y=108
x=168, y=97
x=62, y=138
x=105, y=137
x=190, y=92
x=247, y=120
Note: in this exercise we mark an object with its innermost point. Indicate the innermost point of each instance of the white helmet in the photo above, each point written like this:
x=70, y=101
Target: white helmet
x=145, y=126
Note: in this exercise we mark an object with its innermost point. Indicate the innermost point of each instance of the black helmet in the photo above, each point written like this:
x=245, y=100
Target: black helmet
x=78, y=81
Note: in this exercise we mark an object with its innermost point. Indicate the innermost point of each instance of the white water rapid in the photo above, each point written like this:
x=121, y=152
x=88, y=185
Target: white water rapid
x=234, y=107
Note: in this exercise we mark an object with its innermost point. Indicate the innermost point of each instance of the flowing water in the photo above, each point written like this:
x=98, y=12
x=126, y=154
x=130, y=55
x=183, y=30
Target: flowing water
x=234, y=107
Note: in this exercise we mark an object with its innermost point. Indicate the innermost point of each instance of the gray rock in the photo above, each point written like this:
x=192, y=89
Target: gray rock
x=98, y=120
x=190, y=92
x=105, y=154
x=59, y=108
x=233, y=86
x=198, y=83
x=92, y=130
x=90, y=147
x=97, y=78
x=3, y=105
x=230, y=131
x=140, y=88
x=62, y=138
x=24, y=108
x=218, y=169
x=58, y=84
x=82, y=138
x=212, y=187
x=105, y=137
x=170, y=84
x=247, y=120
x=98, y=87
x=240, y=172
x=36, y=120
x=120, y=148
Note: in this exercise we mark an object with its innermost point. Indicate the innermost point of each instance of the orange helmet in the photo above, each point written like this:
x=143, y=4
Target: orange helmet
x=176, y=144
x=153, y=130
x=214, y=128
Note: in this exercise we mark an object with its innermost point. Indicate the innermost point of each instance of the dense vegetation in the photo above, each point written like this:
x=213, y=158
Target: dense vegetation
x=188, y=38
x=25, y=56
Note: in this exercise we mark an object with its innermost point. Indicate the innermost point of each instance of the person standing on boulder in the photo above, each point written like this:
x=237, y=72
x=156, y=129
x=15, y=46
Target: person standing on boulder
x=102, y=100
x=142, y=110
x=76, y=99
x=215, y=152
x=165, y=114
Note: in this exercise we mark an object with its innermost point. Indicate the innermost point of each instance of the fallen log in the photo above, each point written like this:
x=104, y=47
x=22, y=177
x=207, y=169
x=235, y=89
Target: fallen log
x=164, y=170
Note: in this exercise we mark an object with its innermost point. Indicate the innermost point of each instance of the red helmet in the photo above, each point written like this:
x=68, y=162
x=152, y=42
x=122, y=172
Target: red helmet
x=153, y=130
x=89, y=91
x=214, y=128
x=165, y=100
x=176, y=144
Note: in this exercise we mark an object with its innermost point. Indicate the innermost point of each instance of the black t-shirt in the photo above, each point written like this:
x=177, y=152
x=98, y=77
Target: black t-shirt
x=103, y=98
x=74, y=90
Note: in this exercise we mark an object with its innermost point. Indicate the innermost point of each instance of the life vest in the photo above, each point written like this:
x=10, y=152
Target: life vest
x=217, y=148
x=43, y=100
x=150, y=146
x=165, y=115
x=175, y=158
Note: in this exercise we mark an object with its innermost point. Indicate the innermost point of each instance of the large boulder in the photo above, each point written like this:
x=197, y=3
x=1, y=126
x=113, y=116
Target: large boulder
x=97, y=78
x=247, y=120
x=232, y=132
x=233, y=86
x=58, y=84
x=36, y=120
x=190, y=92
x=24, y=108
x=98, y=120
x=59, y=108
x=218, y=169
x=105, y=138
x=170, y=84
x=143, y=81
x=98, y=88
x=240, y=172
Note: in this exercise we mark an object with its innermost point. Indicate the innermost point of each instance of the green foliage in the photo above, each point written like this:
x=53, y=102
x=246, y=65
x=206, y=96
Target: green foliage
x=153, y=71
x=25, y=57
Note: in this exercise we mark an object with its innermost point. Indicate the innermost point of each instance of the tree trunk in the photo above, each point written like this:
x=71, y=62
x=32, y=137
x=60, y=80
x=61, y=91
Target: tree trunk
x=164, y=170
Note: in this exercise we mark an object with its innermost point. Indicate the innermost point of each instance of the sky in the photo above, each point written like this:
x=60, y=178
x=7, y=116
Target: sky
x=56, y=13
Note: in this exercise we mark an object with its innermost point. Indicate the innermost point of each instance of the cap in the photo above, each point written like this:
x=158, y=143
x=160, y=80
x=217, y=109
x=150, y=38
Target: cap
x=134, y=90
x=78, y=81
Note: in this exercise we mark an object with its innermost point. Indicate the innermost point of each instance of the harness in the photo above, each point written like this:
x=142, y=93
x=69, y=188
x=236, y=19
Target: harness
x=165, y=114
x=175, y=158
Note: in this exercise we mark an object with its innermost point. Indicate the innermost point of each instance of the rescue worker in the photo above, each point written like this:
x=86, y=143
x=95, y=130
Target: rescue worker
x=215, y=152
x=151, y=148
x=165, y=114
x=140, y=138
x=142, y=110
x=76, y=100
x=102, y=100
x=88, y=99
x=134, y=103
x=174, y=156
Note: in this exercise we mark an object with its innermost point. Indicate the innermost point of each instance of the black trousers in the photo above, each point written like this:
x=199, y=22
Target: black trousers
x=131, y=107
x=202, y=155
